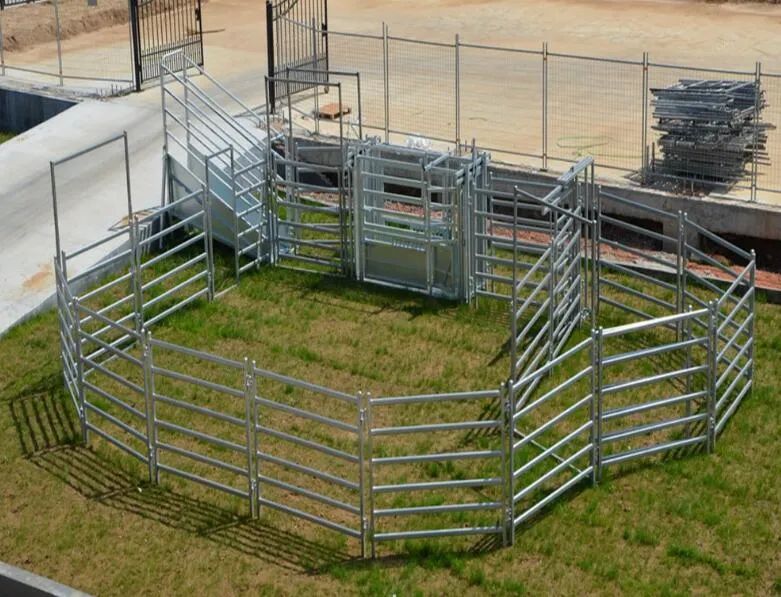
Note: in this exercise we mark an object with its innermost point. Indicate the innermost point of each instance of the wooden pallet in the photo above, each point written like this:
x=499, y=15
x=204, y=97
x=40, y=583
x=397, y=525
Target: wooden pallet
x=331, y=111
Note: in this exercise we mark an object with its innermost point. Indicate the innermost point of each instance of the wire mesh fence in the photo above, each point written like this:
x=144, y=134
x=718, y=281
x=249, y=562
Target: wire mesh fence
x=487, y=73
x=68, y=41
x=365, y=55
x=421, y=85
x=595, y=108
x=768, y=175
x=542, y=109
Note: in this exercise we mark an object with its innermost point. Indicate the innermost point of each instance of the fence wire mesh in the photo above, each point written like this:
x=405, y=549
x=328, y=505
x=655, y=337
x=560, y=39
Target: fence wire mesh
x=68, y=41
x=595, y=108
x=421, y=87
x=362, y=54
x=769, y=174
x=490, y=73
x=531, y=106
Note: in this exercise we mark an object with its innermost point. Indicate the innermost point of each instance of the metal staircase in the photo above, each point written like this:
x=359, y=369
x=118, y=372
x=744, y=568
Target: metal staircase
x=207, y=147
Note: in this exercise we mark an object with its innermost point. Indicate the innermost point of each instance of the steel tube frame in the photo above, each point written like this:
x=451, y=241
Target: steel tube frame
x=573, y=214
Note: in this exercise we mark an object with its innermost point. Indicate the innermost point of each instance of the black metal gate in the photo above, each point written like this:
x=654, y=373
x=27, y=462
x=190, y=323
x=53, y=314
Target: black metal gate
x=297, y=36
x=160, y=27
x=6, y=3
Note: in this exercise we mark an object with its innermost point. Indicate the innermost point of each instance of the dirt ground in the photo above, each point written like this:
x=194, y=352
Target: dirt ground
x=35, y=24
x=594, y=107
x=682, y=31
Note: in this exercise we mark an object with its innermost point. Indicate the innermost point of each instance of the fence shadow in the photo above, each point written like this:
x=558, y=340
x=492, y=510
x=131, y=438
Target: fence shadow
x=49, y=435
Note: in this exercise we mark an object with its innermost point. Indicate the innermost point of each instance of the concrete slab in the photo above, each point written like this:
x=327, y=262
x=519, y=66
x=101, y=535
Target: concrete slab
x=91, y=190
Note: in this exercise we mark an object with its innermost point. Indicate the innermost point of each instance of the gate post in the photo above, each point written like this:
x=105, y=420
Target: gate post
x=386, y=80
x=507, y=404
x=362, y=470
x=136, y=275
x=151, y=408
x=596, y=255
x=680, y=272
x=596, y=405
x=80, y=371
x=713, y=322
x=135, y=42
x=369, y=456
x=272, y=95
x=644, y=141
x=554, y=256
x=544, y=107
x=249, y=421
x=458, y=94
x=757, y=108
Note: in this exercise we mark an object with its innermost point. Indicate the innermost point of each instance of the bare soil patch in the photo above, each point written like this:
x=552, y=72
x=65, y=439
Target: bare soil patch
x=35, y=24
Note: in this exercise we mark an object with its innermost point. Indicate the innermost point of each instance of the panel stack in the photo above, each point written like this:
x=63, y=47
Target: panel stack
x=711, y=131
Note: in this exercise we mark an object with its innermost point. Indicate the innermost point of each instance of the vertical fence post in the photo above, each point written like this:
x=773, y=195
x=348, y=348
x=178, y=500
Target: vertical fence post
x=596, y=405
x=315, y=76
x=552, y=285
x=136, y=276
x=752, y=312
x=757, y=111
x=514, y=297
x=208, y=241
x=596, y=255
x=689, y=330
x=544, y=106
x=507, y=398
x=713, y=324
x=249, y=423
x=151, y=407
x=458, y=94
x=2, y=53
x=364, y=521
x=644, y=142
x=186, y=102
x=271, y=99
x=386, y=79
x=80, y=371
x=369, y=458
x=59, y=41
x=680, y=272
x=236, y=239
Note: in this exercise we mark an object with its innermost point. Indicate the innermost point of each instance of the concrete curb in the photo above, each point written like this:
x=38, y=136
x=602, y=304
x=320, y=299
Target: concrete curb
x=20, y=583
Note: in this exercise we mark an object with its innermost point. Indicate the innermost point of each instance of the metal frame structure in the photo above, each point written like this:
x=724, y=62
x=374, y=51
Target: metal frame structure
x=568, y=409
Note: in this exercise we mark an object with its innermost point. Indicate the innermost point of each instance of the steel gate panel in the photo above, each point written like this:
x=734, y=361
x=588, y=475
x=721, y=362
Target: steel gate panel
x=160, y=27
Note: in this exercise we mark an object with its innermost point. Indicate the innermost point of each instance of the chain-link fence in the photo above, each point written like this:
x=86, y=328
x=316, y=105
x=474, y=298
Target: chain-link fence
x=68, y=42
x=546, y=110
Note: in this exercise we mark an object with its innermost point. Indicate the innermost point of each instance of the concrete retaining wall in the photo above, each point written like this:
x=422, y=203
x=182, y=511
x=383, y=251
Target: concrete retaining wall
x=21, y=110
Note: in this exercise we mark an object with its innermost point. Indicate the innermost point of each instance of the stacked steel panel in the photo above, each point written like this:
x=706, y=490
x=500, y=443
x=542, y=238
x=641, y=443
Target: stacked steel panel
x=711, y=130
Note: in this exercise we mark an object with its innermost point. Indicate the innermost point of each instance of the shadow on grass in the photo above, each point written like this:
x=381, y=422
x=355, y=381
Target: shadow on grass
x=49, y=435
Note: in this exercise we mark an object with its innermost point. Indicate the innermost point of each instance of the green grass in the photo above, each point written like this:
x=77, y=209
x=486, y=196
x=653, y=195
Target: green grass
x=6, y=136
x=86, y=516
